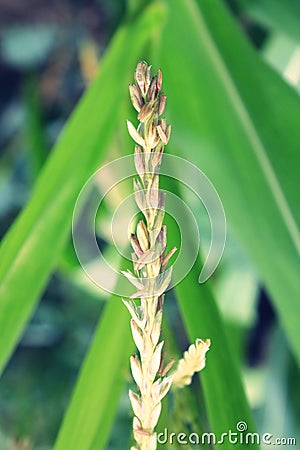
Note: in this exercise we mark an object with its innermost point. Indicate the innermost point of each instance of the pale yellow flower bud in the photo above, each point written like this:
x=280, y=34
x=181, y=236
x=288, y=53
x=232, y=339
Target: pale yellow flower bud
x=193, y=361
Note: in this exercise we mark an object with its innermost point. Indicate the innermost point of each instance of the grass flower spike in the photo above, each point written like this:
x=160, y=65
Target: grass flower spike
x=193, y=361
x=151, y=276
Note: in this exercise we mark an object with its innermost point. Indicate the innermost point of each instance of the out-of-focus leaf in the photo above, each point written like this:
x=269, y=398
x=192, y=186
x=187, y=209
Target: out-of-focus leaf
x=283, y=54
x=238, y=121
x=34, y=126
x=224, y=395
x=93, y=405
x=27, y=46
x=276, y=415
x=277, y=15
x=33, y=245
x=225, y=399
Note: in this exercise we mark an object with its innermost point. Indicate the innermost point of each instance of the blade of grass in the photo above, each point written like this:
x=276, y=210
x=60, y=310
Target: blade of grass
x=34, y=126
x=237, y=120
x=180, y=410
x=224, y=394
x=31, y=248
x=90, y=414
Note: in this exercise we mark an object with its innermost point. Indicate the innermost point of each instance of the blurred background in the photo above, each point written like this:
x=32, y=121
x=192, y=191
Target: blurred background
x=49, y=53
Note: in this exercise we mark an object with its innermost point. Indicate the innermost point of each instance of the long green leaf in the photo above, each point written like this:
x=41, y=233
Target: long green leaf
x=34, y=126
x=238, y=121
x=225, y=399
x=90, y=414
x=33, y=245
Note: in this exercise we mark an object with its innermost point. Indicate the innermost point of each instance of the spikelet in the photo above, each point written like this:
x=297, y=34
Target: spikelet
x=150, y=278
x=193, y=361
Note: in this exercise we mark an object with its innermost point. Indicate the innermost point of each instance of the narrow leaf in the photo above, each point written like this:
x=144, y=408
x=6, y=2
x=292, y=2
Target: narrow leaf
x=32, y=247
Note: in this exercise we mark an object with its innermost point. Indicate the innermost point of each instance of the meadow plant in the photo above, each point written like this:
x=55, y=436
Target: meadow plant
x=151, y=277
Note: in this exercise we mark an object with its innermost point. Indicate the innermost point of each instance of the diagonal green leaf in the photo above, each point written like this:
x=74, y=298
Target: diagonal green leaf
x=32, y=247
x=90, y=414
x=224, y=394
x=238, y=121
x=225, y=398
